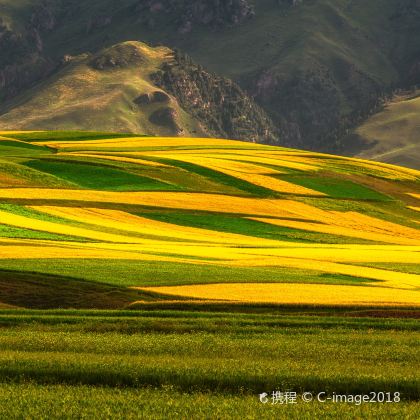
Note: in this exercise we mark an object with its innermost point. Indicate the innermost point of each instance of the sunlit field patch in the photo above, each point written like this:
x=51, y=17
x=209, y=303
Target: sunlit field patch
x=141, y=142
x=170, y=200
x=310, y=294
x=388, y=234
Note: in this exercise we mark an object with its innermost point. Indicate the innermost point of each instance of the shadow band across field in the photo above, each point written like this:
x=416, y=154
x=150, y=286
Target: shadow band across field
x=31, y=290
x=44, y=291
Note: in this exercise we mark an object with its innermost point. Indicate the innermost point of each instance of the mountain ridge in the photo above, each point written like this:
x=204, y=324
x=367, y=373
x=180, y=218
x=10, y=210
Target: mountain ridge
x=318, y=68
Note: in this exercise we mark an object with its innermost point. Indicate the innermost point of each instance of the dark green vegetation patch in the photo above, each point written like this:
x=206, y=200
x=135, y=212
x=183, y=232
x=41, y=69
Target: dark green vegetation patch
x=8, y=146
x=125, y=273
x=335, y=188
x=100, y=177
x=7, y=231
x=238, y=225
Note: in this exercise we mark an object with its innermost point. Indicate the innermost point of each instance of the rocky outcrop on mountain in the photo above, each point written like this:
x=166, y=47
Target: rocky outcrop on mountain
x=212, y=13
x=152, y=98
x=119, y=56
x=217, y=102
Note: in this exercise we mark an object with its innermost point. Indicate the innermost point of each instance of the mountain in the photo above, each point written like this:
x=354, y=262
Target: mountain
x=132, y=87
x=318, y=68
x=112, y=90
x=97, y=220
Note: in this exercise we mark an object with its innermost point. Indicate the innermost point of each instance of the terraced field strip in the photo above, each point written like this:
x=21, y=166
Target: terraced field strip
x=58, y=250
x=329, y=260
x=386, y=278
x=141, y=142
x=188, y=201
x=251, y=173
x=286, y=162
x=6, y=133
x=12, y=219
x=363, y=232
x=310, y=294
x=395, y=172
x=381, y=169
x=240, y=159
x=130, y=223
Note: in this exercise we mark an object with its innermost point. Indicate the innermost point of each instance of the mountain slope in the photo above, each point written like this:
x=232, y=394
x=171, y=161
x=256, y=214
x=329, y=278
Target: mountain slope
x=155, y=211
x=393, y=134
x=100, y=91
x=119, y=89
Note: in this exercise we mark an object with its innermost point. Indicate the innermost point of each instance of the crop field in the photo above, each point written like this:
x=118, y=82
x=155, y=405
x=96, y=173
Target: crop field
x=176, y=276
x=203, y=364
x=79, y=197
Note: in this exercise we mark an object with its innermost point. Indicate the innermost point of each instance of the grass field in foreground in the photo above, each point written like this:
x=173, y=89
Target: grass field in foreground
x=68, y=402
x=187, y=214
x=172, y=364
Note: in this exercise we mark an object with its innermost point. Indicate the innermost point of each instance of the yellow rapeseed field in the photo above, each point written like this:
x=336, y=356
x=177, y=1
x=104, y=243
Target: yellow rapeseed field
x=173, y=200
x=279, y=161
x=63, y=229
x=343, y=230
x=284, y=293
x=114, y=225
x=249, y=172
x=140, y=142
x=237, y=156
x=123, y=221
x=385, y=169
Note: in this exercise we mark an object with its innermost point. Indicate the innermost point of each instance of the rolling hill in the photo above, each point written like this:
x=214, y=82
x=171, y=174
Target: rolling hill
x=112, y=90
x=132, y=87
x=97, y=220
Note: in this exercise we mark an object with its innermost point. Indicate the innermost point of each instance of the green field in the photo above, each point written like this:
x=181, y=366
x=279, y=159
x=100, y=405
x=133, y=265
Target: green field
x=97, y=176
x=172, y=364
x=105, y=242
